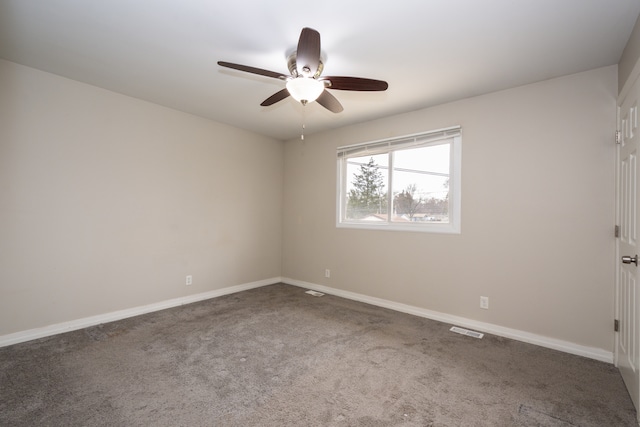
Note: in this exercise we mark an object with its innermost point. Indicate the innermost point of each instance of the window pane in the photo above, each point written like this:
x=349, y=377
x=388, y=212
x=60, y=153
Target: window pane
x=421, y=184
x=406, y=183
x=366, y=191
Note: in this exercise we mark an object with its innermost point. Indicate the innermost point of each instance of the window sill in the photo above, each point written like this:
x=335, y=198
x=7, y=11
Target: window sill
x=446, y=228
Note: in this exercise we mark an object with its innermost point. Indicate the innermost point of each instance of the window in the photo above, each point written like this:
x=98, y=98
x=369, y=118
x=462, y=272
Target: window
x=407, y=183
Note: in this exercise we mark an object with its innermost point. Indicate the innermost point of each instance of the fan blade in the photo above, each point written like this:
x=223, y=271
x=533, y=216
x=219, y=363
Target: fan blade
x=355, y=83
x=329, y=102
x=308, y=53
x=252, y=70
x=276, y=97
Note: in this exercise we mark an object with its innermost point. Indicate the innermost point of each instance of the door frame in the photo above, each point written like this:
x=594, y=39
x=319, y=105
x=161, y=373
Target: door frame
x=618, y=222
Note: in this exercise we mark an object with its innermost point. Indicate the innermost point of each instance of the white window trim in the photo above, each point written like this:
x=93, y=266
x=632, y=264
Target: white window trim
x=376, y=147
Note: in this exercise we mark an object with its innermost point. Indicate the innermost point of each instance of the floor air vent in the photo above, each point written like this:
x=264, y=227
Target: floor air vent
x=467, y=332
x=314, y=293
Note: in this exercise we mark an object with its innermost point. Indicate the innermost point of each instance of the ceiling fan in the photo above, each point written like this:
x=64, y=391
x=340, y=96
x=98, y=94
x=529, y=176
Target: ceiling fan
x=306, y=83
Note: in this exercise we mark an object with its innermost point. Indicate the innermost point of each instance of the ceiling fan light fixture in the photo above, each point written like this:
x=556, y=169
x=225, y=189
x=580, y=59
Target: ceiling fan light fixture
x=303, y=83
x=305, y=89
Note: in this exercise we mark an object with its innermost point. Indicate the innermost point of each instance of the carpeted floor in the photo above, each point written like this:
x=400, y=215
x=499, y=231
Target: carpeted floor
x=275, y=356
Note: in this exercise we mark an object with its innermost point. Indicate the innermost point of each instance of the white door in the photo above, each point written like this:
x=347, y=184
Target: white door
x=627, y=277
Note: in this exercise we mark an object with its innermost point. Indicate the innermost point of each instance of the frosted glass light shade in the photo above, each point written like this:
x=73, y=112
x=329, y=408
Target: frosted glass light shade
x=305, y=89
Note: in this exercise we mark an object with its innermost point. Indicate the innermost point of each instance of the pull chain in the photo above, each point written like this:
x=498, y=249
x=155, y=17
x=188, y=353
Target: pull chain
x=304, y=119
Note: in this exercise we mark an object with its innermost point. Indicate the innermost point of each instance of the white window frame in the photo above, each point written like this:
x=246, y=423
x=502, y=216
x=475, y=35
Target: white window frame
x=453, y=135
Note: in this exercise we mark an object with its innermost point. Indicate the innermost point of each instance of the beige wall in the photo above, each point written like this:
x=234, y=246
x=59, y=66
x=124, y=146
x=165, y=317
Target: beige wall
x=107, y=202
x=630, y=57
x=537, y=213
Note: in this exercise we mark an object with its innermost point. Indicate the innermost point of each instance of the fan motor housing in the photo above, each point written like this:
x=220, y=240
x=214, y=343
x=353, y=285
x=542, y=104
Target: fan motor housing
x=293, y=69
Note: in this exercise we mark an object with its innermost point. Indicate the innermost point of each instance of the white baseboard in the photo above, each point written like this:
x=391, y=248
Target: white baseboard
x=555, y=344
x=58, y=328
x=113, y=316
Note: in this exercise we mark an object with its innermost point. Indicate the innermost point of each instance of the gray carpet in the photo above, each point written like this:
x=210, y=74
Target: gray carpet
x=275, y=356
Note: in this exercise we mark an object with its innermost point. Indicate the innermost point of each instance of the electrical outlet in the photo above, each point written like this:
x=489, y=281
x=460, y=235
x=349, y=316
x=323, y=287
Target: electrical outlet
x=327, y=273
x=189, y=280
x=484, y=303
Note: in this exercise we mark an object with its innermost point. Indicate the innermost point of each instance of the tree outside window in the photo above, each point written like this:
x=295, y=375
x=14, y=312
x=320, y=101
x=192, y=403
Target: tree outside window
x=367, y=196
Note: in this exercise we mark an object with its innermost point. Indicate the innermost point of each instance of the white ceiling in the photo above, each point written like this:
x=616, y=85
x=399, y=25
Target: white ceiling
x=429, y=51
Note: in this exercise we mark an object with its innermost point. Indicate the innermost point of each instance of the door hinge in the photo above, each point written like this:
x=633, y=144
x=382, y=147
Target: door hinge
x=616, y=325
x=618, y=139
x=616, y=231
